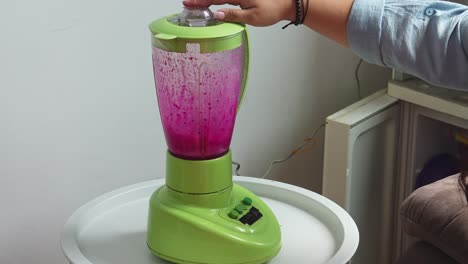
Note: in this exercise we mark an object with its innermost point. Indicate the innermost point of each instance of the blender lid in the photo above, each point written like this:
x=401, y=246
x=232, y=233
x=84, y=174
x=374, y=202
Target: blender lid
x=196, y=25
x=194, y=17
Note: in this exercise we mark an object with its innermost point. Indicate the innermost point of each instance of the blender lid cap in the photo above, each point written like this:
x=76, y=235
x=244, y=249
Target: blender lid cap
x=193, y=24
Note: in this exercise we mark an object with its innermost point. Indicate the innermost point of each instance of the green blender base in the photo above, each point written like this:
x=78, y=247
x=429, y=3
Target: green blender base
x=201, y=217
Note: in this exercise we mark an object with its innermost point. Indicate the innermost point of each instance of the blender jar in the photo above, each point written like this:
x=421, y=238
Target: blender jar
x=200, y=68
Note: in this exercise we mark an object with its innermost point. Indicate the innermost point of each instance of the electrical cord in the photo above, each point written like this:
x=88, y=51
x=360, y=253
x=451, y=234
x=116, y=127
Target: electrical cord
x=309, y=141
x=308, y=144
x=237, y=167
x=356, y=76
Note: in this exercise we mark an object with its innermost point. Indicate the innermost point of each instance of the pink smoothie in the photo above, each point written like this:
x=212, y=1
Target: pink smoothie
x=198, y=95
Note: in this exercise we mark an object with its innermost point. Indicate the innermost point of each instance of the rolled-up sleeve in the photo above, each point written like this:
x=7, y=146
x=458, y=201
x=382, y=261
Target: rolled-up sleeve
x=428, y=39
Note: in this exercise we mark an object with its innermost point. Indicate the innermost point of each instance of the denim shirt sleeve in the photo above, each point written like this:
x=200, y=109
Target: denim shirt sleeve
x=428, y=39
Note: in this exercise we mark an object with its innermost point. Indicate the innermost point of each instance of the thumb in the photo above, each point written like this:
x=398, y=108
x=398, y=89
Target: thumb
x=234, y=15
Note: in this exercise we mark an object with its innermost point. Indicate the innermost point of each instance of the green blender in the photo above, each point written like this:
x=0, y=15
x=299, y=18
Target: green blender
x=200, y=216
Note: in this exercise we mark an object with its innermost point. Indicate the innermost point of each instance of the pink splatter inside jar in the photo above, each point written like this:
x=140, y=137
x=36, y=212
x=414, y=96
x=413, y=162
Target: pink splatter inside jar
x=198, y=96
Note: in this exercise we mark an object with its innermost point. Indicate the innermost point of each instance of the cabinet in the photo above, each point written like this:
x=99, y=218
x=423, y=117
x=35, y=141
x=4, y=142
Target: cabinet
x=374, y=150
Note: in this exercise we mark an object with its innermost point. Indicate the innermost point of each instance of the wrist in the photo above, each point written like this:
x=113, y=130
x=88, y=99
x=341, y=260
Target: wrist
x=289, y=10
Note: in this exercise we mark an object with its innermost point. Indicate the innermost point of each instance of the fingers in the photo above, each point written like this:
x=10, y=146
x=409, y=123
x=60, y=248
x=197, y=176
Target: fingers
x=234, y=15
x=203, y=3
x=244, y=16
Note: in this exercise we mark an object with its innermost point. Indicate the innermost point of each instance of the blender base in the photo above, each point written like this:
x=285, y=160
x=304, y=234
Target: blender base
x=230, y=226
x=185, y=262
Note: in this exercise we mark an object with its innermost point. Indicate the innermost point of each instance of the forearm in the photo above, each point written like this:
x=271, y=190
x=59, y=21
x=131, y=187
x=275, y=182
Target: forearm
x=330, y=18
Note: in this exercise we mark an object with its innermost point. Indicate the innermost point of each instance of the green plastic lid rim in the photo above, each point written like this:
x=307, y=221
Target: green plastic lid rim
x=216, y=38
x=224, y=29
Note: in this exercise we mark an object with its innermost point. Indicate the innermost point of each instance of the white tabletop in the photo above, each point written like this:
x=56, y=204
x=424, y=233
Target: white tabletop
x=112, y=228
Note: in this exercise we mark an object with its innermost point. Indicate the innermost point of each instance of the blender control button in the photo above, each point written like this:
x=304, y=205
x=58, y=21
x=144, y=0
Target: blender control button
x=251, y=217
x=247, y=201
x=254, y=210
x=233, y=214
x=241, y=208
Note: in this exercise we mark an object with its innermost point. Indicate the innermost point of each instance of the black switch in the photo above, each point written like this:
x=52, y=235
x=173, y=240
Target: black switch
x=253, y=209
x=251, y=217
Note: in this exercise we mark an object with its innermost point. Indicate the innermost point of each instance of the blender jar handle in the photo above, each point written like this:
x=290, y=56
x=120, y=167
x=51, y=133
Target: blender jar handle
x=247, y=68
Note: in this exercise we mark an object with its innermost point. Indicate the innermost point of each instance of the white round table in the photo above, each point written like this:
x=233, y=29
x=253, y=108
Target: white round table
x=111, y=229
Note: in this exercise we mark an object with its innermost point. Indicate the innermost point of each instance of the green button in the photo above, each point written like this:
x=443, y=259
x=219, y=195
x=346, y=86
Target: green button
x=234, y=214
x=241, y=208
x=247, y=201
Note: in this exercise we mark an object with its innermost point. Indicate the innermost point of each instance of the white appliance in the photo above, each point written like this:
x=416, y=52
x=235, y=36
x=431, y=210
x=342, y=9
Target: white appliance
x=375, y=148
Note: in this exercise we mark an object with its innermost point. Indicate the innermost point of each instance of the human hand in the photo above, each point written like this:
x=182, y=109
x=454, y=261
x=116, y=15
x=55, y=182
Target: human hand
x=253, y=12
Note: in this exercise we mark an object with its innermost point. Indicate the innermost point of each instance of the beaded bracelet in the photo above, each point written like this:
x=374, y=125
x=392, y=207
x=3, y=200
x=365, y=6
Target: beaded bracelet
x=301, y=13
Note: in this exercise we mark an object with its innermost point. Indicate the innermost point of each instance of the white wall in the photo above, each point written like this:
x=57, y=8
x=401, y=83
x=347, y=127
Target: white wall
x=78, y=113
